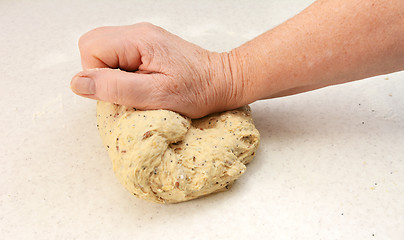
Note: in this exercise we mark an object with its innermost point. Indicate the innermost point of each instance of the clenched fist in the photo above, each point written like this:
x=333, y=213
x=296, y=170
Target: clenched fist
x=146, y=67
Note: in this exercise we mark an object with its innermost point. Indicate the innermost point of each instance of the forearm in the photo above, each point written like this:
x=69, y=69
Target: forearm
x=331, y=42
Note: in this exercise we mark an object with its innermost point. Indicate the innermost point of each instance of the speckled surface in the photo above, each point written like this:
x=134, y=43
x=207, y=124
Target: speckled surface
x=330, y=165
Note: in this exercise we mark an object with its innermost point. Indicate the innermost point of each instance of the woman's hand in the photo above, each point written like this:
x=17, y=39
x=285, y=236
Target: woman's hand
x=146, y=67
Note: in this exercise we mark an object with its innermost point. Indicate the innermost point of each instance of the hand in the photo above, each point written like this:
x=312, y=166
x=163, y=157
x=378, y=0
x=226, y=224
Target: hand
x=146, y=67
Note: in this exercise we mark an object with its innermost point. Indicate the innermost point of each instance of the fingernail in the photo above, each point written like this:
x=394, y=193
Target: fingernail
x=83, y=85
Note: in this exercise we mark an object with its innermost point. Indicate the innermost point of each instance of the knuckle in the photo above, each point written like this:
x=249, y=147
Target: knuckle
x=149, y=30
x=99, y=30
x=82, y=41
x=145, y=25
x=92, y=34
x=107, y=85
x=112, y=90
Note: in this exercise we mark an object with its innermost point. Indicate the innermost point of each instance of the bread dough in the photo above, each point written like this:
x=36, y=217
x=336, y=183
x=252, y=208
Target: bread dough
x=164, y=157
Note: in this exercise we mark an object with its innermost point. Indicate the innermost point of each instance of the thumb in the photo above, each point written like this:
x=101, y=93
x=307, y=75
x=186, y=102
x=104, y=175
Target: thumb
x=117, y=86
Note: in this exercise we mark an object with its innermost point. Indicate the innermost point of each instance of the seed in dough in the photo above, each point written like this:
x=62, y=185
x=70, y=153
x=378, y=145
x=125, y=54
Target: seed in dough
x=164, y=157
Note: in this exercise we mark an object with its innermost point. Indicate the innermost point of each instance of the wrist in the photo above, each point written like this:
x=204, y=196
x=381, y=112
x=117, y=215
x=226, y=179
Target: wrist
x=236, y=77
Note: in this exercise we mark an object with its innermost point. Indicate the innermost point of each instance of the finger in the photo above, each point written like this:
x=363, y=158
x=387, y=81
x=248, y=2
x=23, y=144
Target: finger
x=109, y=47
x=113, y=85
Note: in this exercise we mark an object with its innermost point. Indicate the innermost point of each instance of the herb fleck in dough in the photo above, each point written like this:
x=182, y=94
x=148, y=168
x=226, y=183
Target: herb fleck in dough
x=164, y=157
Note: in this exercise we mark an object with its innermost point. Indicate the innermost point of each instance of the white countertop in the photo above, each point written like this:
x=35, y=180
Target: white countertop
x=330, y=164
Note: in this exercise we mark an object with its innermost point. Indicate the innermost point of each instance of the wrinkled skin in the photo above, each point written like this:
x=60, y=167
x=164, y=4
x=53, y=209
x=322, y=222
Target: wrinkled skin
x=146, y=67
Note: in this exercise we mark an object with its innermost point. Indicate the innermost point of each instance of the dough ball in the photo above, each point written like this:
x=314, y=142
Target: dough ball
x=164, y=157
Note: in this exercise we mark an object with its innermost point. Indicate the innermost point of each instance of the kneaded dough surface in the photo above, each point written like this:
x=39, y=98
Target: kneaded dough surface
x=164, y=157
